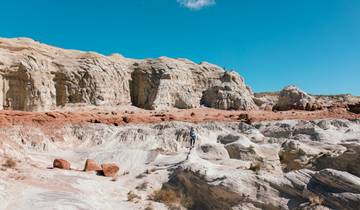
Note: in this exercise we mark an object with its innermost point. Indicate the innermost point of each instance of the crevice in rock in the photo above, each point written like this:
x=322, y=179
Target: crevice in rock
x=61, y=89
x=143, y=89
x=16, y=91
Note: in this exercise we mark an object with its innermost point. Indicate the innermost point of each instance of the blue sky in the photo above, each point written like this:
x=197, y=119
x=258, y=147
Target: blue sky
x=314, y=44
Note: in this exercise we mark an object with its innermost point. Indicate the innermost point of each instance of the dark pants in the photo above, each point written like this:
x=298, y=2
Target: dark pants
x=192, y=141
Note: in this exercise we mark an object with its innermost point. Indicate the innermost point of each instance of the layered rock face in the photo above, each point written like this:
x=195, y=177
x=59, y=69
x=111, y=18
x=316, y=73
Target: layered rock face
x=38, y=77
x=230, y=93
x=165, y=82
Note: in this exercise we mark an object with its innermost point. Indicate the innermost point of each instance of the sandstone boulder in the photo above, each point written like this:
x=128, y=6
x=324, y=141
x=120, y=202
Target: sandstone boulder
x=230, y=94
x=292, y=97
x=261, y=156
x=62, y=164
x=110, y=169
x=91, y=165
x=293, y=156
x=213, y=152
x=229, y=138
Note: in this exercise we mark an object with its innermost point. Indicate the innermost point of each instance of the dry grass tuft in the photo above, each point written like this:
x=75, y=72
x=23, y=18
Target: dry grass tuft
x=255, y=167
x=167, y=196
x=187, y=202
x=132, y=196
x=315, y=200
x=171, y=197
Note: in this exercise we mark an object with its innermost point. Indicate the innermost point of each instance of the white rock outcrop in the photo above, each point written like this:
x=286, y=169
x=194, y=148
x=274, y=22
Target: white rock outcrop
x=38, y=77
x=227, y=169
x=165, y=82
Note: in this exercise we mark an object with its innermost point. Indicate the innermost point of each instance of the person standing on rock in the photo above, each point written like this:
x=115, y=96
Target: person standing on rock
x=193, y=137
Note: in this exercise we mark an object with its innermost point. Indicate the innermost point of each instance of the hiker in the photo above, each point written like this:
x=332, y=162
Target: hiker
x=192, y=137
x=8, y=104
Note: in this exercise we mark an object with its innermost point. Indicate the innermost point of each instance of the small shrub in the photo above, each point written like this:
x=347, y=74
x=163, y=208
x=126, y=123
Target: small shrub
x=142, y=186
x=187, y=202
x=10, y=163
x=150, y=207
x=255, y=167
x=132, y=196
x=126, y=119
x=315, y=200
x=140, y=176
x=172, y=198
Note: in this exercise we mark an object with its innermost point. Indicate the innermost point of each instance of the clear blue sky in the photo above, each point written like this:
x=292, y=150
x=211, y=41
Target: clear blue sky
x=314, y=44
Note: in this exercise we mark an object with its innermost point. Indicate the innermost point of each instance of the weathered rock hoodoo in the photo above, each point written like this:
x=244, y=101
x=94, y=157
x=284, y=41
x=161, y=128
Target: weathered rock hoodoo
x=231, y=93
x=292, y=97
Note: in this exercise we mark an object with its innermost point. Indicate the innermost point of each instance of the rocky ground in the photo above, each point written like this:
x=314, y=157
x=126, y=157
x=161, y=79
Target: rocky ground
x=293, y=160
x=80, y=130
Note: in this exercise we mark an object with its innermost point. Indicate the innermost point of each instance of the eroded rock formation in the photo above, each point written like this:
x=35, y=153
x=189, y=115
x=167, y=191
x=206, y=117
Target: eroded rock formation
x=241, y=160
x=164, y=82
x=291, y=97
x=230, y=93
x=38, y=77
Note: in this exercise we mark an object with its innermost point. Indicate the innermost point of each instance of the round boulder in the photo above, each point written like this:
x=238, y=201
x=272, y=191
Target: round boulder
x=110, y=169
x=62, y=164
